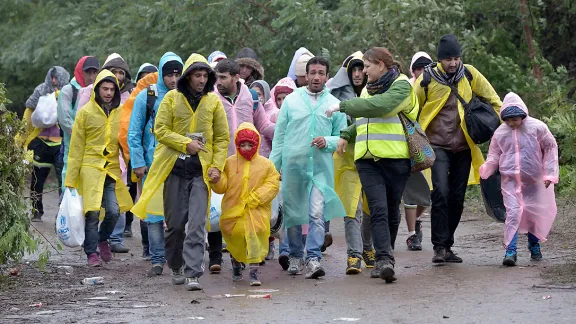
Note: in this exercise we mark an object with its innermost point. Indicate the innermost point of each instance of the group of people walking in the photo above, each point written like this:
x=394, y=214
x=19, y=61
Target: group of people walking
x=159, y=146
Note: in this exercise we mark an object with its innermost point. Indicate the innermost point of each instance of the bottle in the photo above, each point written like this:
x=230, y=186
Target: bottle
x=93, y=281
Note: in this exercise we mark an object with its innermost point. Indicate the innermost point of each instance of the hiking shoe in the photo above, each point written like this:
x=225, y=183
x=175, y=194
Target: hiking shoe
x=354, y=266
x=509, y=259
x=105, y=252
x=439, y=255
x=535, y=252
x=284, y=261
x=295, y=266
x=419, y=230
x=215, y=266
x=192, y=284
x=384, y=270
x=369, y=257
x=254, y=277
x=119, y=248
x=236, y=273
x=452, y=258
x=178, y=277
x=271, y=250
x=94, y=260
x=414, y=243
x=127, y=233
x=327, y=241
x=314, y=269
x=156, y=270
x=146, y=254
x=37, y=217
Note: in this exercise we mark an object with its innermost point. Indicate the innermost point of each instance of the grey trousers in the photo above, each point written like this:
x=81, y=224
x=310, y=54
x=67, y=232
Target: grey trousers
x=185, y=201
x=353, y=234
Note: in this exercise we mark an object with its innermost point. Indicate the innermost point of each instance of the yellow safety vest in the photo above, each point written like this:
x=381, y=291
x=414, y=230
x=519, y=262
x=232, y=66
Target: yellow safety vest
x=384, y=137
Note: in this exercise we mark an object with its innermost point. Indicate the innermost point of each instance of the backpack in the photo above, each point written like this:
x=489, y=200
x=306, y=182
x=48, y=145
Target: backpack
x=151, y=96
x=255, y=99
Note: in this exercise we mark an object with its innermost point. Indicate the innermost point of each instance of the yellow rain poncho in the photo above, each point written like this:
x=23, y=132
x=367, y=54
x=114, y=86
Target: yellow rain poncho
x=175, y=119
x=93, y=135
x=249, y=188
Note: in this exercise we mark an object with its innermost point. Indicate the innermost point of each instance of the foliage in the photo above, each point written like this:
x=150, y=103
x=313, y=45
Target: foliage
x=14, y=167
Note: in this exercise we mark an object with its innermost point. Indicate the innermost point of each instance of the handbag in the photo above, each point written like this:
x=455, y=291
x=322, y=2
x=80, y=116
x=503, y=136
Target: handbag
x=422, y=155
x=481, y=119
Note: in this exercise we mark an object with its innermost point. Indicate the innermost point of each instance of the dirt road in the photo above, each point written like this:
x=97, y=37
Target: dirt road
x=478, y=291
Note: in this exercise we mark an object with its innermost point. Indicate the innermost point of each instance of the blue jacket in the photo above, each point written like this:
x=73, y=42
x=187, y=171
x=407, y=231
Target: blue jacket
x=141, y=140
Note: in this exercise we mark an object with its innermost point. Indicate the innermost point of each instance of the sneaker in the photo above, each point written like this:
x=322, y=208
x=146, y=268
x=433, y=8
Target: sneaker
x=146, y=254
x=419, y=230
x=192, y=284
x=535, y=252
x=452, y=258
x=384, y=270
x=414, y=243
x=119, y=248
x=327, y=241
x=369, y=257
x=314, y=269
x=354, y=266
x=439, y=255
x=37, y=217
x=254, y=281
x=284, y=261
x=178, y=277
x=294, y=266
x=105, y=252
x=127, y=233
x=156, y=270
x=94, y=260
x=271, y=250
x=509, y=259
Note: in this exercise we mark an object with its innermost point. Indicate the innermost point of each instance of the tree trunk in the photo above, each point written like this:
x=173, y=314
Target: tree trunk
x=536, y=70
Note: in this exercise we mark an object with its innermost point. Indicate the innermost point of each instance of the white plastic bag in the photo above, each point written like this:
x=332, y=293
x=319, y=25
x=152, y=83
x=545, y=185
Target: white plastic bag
x=45, y=115
x=215, y=211
x=70, y=221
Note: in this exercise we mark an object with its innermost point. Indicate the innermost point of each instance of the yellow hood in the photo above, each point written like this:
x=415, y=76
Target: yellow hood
x=195, y=62
x=106, y=75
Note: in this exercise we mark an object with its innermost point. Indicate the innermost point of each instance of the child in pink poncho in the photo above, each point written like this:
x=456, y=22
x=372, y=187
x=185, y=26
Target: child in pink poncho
x=526, y=153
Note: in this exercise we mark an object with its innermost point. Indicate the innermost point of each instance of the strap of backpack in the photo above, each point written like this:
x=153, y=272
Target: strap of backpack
x=151, y=96
x=426, y=79
x=74, y=96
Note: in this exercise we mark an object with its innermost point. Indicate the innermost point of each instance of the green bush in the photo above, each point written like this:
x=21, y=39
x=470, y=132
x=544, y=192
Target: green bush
x=15, y=165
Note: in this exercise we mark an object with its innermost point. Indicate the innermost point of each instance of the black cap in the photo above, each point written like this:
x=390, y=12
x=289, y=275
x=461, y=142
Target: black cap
x=448, y=47
x=421, y=62
x=91, y=63
x=172, y=67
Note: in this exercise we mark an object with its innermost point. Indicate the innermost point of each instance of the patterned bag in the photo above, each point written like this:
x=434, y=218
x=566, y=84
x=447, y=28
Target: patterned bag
x=421, y=153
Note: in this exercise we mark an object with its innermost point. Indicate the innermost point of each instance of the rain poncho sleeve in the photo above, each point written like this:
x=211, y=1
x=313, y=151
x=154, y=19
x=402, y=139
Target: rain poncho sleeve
x=136, y=131
x=526, y=157
x=65, y=109
x=249, y=188
x=164, y=128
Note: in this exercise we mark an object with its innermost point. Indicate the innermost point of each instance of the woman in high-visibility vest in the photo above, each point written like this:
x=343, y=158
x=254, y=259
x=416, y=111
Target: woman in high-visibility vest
x=381, y=151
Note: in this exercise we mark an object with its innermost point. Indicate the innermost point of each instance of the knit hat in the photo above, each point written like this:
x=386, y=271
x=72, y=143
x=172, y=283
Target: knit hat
x=282, y=89
x=300, y=69
x=448, y=47
x=513, y=111
x=247, y=135
x=172, y=67
x=215, y=57
x=421, y=62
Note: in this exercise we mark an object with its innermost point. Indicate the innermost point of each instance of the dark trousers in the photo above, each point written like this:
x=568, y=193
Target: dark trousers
x=449, y=180
x=133, y=189
x=383, y=182
x=110, y=204
x=215, y=247
x=44, y=154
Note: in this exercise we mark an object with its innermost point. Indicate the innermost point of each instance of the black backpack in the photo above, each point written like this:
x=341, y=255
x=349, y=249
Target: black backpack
x=152, y=95
x=481, y=119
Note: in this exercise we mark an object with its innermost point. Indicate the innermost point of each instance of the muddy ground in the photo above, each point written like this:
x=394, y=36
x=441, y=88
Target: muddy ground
x=479, y=290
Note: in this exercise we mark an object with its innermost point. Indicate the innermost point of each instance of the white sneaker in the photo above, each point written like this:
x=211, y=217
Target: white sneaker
x=295, y=266
x=314, y=269
x=193, y=284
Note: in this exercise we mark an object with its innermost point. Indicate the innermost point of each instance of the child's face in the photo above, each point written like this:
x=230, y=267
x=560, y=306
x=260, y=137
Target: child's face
x=260, y=94
x=280, y=99
x=246, y=146
x=514, y=122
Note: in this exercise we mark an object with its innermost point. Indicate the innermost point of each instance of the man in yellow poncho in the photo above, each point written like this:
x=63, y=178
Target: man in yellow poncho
x=94, y=166
x=249, y=184
x=442, y=117
x=193, y=137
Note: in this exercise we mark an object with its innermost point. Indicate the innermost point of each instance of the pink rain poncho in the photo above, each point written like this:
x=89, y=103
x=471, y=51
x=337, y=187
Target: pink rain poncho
x=526, y=158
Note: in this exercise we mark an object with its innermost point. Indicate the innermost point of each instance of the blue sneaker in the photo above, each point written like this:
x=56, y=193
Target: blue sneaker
x=535, y=253
x=509, y=259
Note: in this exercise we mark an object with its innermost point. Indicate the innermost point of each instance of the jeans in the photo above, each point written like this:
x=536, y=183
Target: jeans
x=366, y=232
x=449, y=179
x=511, y=249
x=185, y=206
x=117, y=236
x=156, y=242
x=352, y=233
x=110, y=204
x=283, y=245
x=383, y=182
x=315, y=238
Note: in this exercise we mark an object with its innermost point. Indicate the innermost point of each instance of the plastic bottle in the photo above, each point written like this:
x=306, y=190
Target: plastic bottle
x=93, y=281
